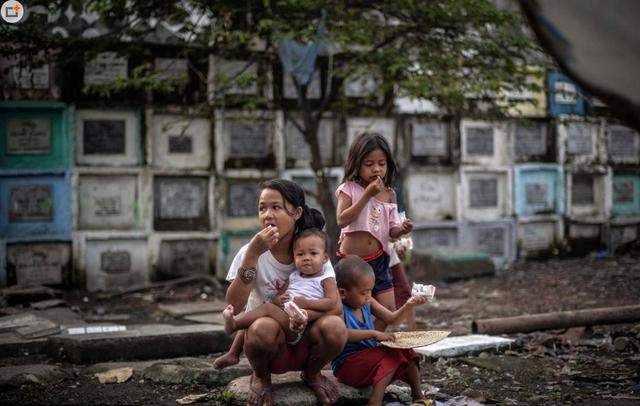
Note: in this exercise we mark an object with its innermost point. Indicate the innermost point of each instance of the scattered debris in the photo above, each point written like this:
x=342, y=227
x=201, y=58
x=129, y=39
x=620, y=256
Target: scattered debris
x=187, y=400
x=38, y=328
x=117, y=375
x=47, y=304
x=95, y=329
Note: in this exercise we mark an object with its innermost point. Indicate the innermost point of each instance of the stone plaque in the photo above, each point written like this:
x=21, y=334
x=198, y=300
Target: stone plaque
x=582, y=189
x=537, y=237
x=106, y=68
x=242, y=199
x=30, y=77
x=622, y=142
x=104, y=137
x=107, y=205
x=28, y=137
x=297, y=147
x=180, y=144
x=483, y=192
x=530, y=140
x=38, y=264
x=479, y=141
x=31, y=203
x=248, y=138
x=181, y=198
x=432, y=237
x=579, y=141
x=171, y=68
x=184, y=257
x=115, y=261
x=107, y=202
x=490, y=240
x=623, y=191
x=565, y=92
x=536, y=193
x=429, y=139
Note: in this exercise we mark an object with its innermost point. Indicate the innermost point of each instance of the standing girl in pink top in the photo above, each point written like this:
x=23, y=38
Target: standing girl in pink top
x=367, y=211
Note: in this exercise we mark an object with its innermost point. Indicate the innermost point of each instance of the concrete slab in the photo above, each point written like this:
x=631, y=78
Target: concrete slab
x=208, y=318
x=47, y=304
x=463, y=345
x=12, y=345
x=140, y=343
x=195, y=370
x=178, y=310
x=449, y=263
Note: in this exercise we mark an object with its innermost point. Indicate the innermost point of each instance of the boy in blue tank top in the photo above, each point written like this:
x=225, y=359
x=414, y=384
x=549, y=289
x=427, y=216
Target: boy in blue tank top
x=363, y=361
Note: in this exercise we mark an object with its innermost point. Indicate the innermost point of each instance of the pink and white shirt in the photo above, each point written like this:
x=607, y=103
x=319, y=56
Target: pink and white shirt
x=377, y=218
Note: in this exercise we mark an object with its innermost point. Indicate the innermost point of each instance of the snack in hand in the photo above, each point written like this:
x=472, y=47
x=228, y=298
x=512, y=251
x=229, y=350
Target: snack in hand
x=423, y=290
x=293, y=311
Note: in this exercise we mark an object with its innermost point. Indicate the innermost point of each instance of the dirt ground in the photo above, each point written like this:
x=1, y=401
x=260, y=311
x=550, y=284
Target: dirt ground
x=577, y=366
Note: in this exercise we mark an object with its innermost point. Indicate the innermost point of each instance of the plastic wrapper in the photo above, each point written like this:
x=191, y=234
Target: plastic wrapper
x=293, y=311
x=423, y=290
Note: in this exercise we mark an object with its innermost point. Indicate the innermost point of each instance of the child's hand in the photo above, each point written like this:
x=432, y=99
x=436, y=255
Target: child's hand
x=406, y=226
x=280, y=300
x=264, y=240
x=374, y=187
x=418, y=300
x=382, y=336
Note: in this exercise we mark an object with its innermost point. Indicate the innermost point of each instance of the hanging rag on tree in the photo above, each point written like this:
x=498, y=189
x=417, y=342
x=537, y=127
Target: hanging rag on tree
x=300, y=59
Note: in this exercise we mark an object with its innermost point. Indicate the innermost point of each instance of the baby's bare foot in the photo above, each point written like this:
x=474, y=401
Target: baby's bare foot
x=229, y=321
x=226, y=360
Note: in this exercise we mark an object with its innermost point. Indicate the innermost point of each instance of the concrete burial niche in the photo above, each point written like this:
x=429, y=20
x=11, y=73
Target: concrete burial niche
x=314, y=90
x=383, y=126
x=538, y=189
x=532, y=142
x=485, y=193
x=565, y=97
x=182, y=257
x=436, y=234
x=539, y=238
x=246, y=141
x=307, y=180
x=237, y=77
x=579, y=142
x=619, y=234
x=495, y=238
x=115, y=262
x=431, y=195
x=623, y=145
x=298, y=153
x=181, y=203
x=361, y=86
x=42, y=263
x=108, y=138
x=38, y=82
x=484, y=143
x=588, y=194
x=625, y=195
x=108, y=202
x=105, y=68
x=35, y=207
x=584, y=237
x=429, y=141
x=180, y=142
x=34, y=135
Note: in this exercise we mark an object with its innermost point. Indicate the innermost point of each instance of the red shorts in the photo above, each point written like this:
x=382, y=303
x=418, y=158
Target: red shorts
x=401, y=287
x=368, y=367
x=292, y=359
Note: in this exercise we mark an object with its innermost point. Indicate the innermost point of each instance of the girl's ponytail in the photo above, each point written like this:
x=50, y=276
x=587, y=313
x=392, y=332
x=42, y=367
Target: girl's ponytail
x=311, y=218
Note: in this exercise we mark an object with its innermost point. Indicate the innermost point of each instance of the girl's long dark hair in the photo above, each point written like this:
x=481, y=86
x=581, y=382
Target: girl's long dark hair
x=293, y=194
x=360, y=147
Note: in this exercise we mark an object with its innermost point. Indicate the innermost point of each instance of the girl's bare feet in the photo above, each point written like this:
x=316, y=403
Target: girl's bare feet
x=229, y=321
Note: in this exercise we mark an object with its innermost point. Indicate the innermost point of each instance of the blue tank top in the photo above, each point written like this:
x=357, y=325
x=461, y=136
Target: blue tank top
x=352, y=322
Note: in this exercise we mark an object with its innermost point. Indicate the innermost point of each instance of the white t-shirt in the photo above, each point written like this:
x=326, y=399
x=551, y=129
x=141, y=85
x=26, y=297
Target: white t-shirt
x=308, y=288
x=272, y=275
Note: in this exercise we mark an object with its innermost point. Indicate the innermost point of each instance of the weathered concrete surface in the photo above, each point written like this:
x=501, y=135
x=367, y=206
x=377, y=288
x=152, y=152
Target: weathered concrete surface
x=195, y=370
x=448, y=263
x=463, y=345
x=12, y=345
x=208, y=318
x=39, y=374
x=183, y=309
x=140, y=343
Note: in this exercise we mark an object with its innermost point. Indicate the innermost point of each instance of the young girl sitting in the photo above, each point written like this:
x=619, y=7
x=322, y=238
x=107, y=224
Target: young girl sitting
x=367, y=211
x=306, y=288
x=363, y=361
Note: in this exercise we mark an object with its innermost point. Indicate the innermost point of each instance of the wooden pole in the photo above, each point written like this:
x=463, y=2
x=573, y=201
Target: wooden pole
x=557, y=320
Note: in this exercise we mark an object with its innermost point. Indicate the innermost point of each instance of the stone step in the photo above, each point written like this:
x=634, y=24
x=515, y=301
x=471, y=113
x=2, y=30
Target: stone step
x=465, y=345
x=142, y=342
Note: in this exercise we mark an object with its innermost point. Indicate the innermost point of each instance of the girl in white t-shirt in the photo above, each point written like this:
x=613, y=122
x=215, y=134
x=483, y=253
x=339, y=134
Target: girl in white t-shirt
x=306, y=287
x=258, y=272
